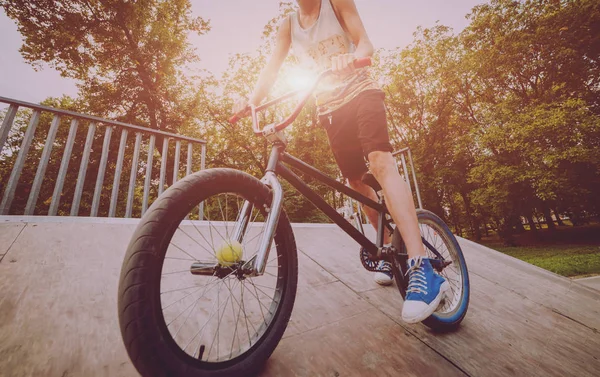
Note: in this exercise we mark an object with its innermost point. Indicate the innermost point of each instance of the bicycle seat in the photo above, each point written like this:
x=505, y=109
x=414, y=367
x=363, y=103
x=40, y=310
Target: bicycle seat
x=369, y=179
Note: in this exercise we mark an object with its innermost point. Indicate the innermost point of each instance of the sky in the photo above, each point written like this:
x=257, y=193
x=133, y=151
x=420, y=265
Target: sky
x=236, y=27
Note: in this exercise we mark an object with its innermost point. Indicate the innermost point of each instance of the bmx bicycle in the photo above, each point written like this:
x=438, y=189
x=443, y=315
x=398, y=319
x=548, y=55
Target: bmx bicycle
x=210, y=293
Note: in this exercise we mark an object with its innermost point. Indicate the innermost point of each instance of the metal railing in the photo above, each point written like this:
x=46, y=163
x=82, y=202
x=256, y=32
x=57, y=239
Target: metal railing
x=351, y=208
x=151, y=187
x=404, y=153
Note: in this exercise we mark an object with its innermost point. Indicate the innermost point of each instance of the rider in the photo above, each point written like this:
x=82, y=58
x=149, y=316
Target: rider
x=327, y=34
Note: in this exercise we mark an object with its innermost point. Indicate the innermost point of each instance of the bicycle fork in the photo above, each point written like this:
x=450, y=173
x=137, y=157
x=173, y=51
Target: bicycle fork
x=257, y=264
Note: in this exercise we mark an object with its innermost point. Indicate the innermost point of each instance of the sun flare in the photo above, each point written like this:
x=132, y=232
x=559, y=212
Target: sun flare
x=299, y=79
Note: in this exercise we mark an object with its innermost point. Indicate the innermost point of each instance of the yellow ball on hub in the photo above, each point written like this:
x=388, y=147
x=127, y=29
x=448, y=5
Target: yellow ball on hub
x=229, y=252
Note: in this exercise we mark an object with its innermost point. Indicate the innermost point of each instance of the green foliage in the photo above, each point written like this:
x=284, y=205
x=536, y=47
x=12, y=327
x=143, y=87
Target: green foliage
x=503, y=118
x=566, y=260
x=130, y=58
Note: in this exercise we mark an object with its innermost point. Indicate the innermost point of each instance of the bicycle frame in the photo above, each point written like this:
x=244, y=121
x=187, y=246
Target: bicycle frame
x=276, y=168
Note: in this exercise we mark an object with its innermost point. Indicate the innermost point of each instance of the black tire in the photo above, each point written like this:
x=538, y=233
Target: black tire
x=148, y=341
x=451, y=314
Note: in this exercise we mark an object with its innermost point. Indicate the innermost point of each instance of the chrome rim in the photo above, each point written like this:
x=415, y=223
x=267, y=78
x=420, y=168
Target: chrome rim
x=218, y=318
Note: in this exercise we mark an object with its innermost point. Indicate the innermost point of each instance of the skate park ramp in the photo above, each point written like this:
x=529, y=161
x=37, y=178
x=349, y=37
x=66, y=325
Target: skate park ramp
x=58, y=311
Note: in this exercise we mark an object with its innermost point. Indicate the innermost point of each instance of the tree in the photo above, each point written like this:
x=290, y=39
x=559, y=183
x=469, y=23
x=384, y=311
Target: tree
x=131, y=59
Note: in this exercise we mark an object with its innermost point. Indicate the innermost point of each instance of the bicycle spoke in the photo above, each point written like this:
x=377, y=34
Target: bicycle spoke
x=187, y=259
x=204, y=238
x=189, y=294
x=261, y=305
x=452, y=273
x=220, y=318
x=237, y=319
x=206, y=323
x=196, y=242
x=224, y=217
x=180, y=289
x=201, y=329
x=271, y=297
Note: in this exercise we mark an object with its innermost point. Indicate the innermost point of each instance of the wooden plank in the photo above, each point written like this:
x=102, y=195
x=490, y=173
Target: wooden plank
x=543, y=287
x=320, y=305
x=368, y=344
x=517, y=331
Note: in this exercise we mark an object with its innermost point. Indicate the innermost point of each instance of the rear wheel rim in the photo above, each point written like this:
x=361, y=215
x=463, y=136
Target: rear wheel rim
x=453, y=273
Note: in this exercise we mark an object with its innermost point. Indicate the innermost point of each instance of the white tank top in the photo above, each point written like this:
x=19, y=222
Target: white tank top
x=316, y=45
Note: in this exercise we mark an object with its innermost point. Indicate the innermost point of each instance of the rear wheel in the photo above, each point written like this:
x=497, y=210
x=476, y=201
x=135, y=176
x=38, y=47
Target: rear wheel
x=177, y=323
x=436, y=233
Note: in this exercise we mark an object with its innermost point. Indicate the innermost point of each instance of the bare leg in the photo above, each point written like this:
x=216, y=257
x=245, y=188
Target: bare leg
x=398, y=200
x=372, y=214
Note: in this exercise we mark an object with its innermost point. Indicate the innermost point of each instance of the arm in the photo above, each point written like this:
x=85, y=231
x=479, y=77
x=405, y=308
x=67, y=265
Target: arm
x=352, y=24
x=269, y=73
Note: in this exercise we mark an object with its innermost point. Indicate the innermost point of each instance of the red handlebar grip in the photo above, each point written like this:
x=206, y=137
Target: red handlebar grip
x=242, y=114
x=362, y=62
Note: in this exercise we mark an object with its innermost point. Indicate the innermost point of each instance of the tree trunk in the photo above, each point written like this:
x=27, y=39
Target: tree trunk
x=532, y=225
x=548, y=217
x=519, y=225
x=477, y=229
x=558, y=219
x=473, y=223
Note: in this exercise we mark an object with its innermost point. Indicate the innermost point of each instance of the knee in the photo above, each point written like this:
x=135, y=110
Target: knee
x=381, y=164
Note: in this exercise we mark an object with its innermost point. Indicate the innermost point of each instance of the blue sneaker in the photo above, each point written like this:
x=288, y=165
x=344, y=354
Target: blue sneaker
x=425, y=290
x=384, y=275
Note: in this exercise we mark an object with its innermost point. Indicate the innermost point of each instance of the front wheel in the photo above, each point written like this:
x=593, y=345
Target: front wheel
x=176, y=321
x=436, y=233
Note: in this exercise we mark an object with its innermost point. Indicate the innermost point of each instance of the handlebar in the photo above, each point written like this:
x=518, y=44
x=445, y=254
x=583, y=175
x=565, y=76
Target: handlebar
x=252, y=110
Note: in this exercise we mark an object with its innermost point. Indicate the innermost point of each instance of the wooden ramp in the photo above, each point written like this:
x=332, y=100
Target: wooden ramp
x=58, y=283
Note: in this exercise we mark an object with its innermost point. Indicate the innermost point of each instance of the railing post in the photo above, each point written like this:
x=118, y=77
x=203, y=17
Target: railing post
x=133, y=174
x=406, y=175
x=20, y=156
x=148, y=174
x=176, y=163
x=188, y=166
x=412, y=167
x=41, y=171
x=7, y=124
x=114, y=197
x=101, y=170
x=64, y=165
x=163, y=165
x=13, y=181
x=85, y=157
x=202, y=162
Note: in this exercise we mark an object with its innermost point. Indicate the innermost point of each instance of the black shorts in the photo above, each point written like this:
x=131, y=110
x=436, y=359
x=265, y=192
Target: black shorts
x=357, y=129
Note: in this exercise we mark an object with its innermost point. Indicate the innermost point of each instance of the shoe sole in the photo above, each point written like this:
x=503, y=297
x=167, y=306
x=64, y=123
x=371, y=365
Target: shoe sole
x=432, y=307
x=384, y=281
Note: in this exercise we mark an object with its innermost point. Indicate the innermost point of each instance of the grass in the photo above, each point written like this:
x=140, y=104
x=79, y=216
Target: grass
x=565, y=260
x=568, y=251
